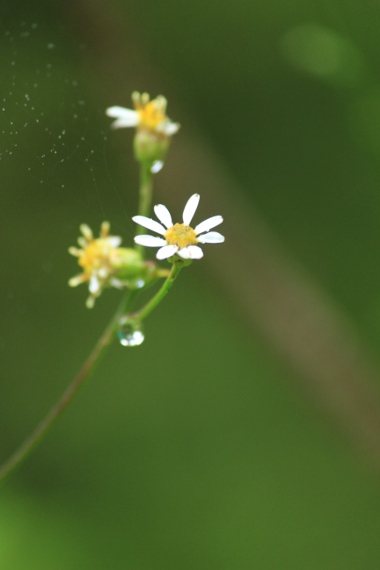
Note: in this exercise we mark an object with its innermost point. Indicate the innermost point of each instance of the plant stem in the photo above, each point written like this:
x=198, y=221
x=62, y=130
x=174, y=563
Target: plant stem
x=84, y=373
x=162, y=292
x=146, y=188
x=145, y=197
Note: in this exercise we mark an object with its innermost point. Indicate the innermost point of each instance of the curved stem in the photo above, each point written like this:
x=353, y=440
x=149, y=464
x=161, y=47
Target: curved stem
x=162, y=292
x=84, y=373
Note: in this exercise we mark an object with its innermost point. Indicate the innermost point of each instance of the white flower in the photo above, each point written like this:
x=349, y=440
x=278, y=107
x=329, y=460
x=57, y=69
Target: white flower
x=179, y=239
x=150, y=115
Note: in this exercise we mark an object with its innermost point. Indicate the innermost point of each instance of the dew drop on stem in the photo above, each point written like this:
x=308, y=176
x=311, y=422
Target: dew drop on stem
x=130, y=332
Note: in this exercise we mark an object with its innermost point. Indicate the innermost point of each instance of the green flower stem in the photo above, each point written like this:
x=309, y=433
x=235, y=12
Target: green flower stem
x=162, y=292
x=145, y=198
x=31, y=442
x=146, y=188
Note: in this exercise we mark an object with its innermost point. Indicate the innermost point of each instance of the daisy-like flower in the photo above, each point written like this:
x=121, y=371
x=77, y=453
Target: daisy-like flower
x=95, y=256
x=179, y=239
x=148, y=115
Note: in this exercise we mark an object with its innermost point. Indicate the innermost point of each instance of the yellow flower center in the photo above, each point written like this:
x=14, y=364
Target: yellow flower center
x=95, y=256
x=181, y=235
x=151, y=114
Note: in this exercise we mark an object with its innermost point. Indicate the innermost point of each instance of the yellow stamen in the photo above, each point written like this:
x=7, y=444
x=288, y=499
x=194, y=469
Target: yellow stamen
x=151, y=113
x=181, y=235
x=94, y=256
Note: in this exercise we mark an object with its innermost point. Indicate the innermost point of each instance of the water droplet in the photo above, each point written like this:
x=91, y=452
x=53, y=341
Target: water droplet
x=50, y=46
x=156, y=166
x=130, y=332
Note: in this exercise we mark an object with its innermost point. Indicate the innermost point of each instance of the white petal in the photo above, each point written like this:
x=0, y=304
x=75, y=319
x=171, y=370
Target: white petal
x=125, y=117
x=116, y=283
x=77, y=280
x=208, y=224
x=102, y=273
x=168, y=128
x=86, y=231
x=104, y=229
x=117, y=112
x=191, y=252
x=189, y=211
x=167, y=251
x=122, y=124
x=211, y=237
x=150, y=241
x=75, y=251
x=149, y=224
x=94, y=285
x=90, y=302
x=113, y=241
x=82, y=242
x=156, y=166
x=163, y=215
x=172, y=128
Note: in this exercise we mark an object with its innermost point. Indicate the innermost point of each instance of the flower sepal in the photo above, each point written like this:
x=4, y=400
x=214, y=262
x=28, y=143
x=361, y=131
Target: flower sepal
x=150, y=147
x=179, y=261
x=126, y=263
x=132, y=271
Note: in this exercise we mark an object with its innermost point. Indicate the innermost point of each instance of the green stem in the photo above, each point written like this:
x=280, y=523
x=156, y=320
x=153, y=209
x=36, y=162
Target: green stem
x=162, y=292
x=84, y=373
x=145, y=197
x=146, y=188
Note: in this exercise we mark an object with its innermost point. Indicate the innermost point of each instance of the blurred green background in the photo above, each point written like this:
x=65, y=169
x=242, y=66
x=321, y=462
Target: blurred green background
x=201, y=449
